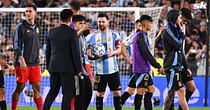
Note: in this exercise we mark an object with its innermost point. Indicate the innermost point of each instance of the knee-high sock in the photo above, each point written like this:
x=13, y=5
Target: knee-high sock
x=117, y=103
x=124, y=97
x=137, y=101
x=14, y=104
x=99, y=103
x=148, y=101
x=72, y=103
x=3, y=105
x=39, y=103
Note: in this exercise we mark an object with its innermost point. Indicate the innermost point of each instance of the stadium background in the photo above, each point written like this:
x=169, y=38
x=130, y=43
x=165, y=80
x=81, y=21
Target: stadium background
x=122, y=20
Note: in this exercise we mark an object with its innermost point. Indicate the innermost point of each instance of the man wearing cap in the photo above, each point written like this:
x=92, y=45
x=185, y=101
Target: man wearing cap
x=142, y=60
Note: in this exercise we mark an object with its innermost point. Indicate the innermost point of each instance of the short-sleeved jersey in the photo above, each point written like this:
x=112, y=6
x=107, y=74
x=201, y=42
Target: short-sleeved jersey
x=128, y=41
x=105, y=65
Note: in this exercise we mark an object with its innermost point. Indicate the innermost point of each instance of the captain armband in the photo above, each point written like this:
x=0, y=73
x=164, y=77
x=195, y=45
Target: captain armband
x=118, y=42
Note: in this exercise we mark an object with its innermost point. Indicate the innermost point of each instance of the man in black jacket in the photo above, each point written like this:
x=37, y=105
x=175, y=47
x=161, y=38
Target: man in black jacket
x=186, y=76
x=176, y=69
x=26, y=49
x=63, y=60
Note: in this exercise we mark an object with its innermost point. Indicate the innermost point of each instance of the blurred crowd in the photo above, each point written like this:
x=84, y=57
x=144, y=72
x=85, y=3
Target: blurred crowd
x=168, y=4
x=123, y=22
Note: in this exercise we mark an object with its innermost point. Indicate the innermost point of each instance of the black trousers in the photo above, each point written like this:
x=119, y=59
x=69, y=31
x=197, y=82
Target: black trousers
x=82, y=100
x=57, y=80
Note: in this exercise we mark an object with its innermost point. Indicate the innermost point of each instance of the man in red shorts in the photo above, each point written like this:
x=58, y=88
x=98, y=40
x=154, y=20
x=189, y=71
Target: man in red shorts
x=26, y=47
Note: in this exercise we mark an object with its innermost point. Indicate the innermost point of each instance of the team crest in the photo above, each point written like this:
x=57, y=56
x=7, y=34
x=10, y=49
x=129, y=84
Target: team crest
x=98, y=40
x=103, y=39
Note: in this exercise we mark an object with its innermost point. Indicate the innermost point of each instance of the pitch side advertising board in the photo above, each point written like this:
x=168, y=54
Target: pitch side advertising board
x=26, y=99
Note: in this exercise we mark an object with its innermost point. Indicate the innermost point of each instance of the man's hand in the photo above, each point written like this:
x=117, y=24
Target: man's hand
x=89, y=53
x=162, y=28
x=129, y=61
x=110, y=53
x=161, y=70
x=182, y=27
x=23, y=65
x=189, y=72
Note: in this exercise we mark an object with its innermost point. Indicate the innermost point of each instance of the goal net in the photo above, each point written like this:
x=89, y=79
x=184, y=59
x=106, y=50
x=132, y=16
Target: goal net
x=121, y=19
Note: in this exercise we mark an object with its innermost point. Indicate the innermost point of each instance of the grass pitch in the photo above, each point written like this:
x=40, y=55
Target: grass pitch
x=111, y=108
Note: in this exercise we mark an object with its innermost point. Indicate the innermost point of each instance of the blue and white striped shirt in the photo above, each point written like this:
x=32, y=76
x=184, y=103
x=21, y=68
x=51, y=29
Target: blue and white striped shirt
x=108, y=65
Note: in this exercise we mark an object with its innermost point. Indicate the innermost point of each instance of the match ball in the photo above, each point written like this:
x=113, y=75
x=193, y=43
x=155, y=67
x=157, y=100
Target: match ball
x=98, y=49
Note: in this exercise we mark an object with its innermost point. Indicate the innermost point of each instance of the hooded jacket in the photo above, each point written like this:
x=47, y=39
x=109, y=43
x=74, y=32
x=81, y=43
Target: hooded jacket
x=173, y=41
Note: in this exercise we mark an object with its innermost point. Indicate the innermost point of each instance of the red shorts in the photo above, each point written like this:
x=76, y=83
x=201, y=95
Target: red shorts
x=32, y=74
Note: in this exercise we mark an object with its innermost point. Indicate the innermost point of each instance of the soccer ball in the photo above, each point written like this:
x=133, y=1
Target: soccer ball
x=98, y=49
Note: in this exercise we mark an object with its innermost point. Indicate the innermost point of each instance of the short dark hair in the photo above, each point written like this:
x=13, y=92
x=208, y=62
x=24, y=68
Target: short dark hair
x=145, y=17
x=77, y=18
x=186, y=13
x=75, y=5
x=32, y=6
x=137, y=21
x=66, y=15
x=103, y=15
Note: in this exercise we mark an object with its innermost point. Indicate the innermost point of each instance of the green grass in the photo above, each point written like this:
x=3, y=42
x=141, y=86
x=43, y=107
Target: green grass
x=111, y=108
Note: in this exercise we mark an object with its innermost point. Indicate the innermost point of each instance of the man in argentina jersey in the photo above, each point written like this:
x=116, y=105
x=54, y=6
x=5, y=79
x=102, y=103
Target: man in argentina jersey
x=106, y=66
x=127, y=43
x=142, y=60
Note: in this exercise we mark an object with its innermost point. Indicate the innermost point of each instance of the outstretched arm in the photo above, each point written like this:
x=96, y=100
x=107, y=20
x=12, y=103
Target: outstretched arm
x=145, y=50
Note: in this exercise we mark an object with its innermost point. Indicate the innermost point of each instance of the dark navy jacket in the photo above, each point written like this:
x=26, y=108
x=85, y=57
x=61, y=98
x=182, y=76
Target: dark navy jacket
x=173, y=40
x=62, y=52
x=27, y=43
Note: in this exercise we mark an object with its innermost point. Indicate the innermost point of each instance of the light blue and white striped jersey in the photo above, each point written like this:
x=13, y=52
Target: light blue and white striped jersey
x=128, y=41
x=108, y=65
